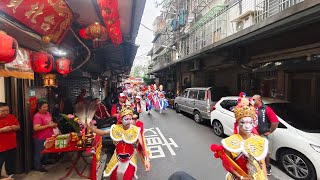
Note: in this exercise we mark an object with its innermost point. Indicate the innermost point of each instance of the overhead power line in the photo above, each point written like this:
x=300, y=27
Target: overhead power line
x=147, y=28
x=141, y=55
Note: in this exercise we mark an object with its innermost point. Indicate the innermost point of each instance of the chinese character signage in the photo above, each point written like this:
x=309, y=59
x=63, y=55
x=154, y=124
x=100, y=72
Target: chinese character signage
x=49, y=18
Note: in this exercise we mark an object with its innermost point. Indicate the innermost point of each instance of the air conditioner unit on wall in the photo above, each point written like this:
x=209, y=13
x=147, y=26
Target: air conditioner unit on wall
x=244, y=21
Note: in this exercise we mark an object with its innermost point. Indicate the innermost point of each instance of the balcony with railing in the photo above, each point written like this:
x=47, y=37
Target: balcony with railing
x=197, y=6
x=160, y=42
x=225, y=20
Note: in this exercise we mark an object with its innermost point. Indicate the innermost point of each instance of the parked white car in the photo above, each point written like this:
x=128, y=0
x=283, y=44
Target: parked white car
x=295, y=144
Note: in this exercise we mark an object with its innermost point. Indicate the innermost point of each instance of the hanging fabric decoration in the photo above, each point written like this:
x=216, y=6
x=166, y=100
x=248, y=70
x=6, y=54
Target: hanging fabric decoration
x=110, y=14
x=63, y=66
x=8, y=48
x=41, y=62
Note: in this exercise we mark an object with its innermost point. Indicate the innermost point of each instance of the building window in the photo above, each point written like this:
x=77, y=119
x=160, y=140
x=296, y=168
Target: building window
x=231, y=103
x=193, y=94
x=201, y=95
x=217, y=35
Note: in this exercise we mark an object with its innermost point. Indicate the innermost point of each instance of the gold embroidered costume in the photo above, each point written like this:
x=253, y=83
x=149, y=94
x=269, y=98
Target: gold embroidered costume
x=125, y=141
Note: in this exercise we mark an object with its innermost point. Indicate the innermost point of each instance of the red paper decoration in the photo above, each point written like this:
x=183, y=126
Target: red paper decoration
x=8, y=48
x=110, y=14
x=41, y=62
x=63, y=66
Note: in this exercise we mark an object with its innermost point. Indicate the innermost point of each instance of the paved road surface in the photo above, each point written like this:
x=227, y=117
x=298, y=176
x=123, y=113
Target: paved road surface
x=187, y=149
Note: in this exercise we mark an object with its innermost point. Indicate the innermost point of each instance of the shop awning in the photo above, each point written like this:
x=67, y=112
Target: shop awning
x=16, y=74
x=20, y=67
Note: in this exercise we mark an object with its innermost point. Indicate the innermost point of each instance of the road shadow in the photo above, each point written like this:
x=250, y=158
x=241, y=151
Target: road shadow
x=206, y=122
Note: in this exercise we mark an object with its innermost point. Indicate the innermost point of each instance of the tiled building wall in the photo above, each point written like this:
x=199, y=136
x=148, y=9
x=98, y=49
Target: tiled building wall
x=72, y=86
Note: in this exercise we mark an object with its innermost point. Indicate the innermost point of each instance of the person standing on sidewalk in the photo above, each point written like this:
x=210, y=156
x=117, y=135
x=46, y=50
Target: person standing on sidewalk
x=8, y=127
x=267, y=123
x=43, y=128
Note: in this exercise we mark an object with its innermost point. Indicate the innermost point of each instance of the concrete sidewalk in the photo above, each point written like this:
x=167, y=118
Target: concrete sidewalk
x=59, y=170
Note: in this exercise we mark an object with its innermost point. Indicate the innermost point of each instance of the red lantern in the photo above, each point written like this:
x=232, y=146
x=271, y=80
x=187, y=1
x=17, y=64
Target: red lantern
x=41, y=62
x=95, y=32
x=63, y=66
x=8, y=48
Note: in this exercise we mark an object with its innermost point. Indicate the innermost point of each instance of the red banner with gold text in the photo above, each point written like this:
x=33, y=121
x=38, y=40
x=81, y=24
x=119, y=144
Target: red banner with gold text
x=49, y=18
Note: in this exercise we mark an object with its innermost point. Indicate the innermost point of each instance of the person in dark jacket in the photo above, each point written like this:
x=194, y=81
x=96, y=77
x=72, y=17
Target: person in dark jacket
x=267, y=123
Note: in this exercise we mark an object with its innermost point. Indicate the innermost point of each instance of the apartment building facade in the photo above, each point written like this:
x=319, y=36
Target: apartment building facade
x=270, y=47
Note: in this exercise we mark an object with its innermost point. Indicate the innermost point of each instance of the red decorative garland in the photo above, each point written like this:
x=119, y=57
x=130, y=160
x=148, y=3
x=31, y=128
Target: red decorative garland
x=110, y=14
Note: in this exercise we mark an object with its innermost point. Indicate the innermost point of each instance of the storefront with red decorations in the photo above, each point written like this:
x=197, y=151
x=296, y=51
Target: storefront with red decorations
x=53, y=47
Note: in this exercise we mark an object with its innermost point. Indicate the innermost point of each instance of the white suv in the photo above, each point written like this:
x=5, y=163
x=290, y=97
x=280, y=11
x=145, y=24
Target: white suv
x=295, y=144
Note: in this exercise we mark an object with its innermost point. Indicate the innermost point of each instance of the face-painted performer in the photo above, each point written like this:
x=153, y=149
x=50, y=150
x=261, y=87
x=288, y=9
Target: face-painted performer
x=243, y=153
x=126, y=137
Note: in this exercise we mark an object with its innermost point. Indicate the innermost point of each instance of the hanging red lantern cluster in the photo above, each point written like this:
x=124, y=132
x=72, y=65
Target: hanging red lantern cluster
x=41, y=62
x=96, y=32
x=110, y=14
x=8, y=48
x=63, y=66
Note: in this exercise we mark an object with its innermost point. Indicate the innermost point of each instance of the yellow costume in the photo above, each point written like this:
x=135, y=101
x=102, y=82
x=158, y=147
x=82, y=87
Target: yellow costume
x=245, y=153
x=254, y=146
x=124, y=155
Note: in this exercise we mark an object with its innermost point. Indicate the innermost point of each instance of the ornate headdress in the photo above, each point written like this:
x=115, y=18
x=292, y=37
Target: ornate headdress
x=125, y=111
x=244, y=108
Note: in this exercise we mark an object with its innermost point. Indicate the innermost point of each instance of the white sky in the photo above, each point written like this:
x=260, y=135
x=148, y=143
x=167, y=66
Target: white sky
x=145, y=36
